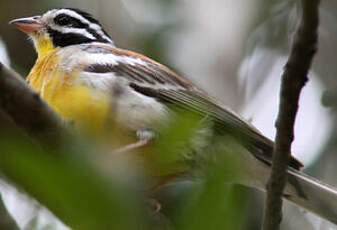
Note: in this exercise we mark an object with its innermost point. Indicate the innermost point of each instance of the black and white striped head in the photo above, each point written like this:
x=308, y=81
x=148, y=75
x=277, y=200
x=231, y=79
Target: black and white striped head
x=64, y=27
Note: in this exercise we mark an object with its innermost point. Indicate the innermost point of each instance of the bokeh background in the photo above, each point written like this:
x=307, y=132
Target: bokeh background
x=233, y=49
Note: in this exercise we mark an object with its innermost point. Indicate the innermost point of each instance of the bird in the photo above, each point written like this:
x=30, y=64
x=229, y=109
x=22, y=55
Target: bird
x=85, y=78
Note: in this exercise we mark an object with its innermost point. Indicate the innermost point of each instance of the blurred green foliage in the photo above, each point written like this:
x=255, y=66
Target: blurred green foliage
x=72, y=186
x=214, y=204
x=69, y=187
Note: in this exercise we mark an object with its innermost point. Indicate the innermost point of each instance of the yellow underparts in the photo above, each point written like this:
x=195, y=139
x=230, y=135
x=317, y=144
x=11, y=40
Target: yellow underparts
x=73, y=100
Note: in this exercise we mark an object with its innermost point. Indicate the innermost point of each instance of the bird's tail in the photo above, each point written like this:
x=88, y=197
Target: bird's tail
x=312, y=195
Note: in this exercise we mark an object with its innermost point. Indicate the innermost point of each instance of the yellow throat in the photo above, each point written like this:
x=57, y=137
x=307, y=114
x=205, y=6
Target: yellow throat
x=62, y=90
x=43, y=45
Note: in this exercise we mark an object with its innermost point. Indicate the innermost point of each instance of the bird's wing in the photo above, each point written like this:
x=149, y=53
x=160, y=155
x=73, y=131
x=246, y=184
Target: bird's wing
x=154, y=80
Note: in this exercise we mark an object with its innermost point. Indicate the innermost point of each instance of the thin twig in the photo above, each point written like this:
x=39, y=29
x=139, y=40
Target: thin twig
x=293, y=80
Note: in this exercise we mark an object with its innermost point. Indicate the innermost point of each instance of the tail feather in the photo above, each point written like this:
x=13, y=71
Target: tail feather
x=301, y=189
x=312, y=195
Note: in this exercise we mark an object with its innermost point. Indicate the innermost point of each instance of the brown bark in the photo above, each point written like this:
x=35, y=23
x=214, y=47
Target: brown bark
x=293, y=80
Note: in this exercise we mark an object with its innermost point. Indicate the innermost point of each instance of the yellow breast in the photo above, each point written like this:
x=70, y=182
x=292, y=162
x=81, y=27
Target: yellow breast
x=72, y=99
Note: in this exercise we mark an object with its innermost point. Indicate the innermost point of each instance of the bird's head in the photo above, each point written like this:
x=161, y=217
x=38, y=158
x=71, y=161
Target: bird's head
x=60, y=28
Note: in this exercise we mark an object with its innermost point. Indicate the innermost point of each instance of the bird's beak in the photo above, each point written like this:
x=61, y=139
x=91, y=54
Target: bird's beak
x=28, y=25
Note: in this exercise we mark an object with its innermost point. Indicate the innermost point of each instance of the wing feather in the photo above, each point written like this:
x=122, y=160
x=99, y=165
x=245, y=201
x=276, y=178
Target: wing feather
x=157, y=81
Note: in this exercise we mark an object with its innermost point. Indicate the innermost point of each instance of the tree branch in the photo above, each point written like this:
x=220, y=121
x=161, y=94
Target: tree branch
x=19, y=103
x=27, y=109
x=293, y=80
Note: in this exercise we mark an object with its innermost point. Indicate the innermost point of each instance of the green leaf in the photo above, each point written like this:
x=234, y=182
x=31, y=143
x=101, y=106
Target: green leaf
x=69, y=187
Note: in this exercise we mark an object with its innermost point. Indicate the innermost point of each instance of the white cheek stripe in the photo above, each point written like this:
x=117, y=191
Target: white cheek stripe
x=93, y=26
x=73, y=30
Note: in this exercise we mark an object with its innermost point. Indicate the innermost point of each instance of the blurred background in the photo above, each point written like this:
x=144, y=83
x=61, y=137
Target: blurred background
x=233, y=49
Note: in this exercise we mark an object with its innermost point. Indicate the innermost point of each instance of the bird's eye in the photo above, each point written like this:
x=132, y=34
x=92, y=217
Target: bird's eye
x=62, y=19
